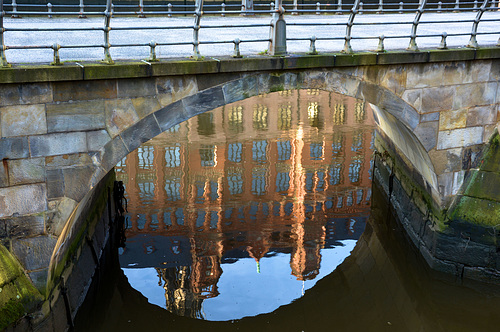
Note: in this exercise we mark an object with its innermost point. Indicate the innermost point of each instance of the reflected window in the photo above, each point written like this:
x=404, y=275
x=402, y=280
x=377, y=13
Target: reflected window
x=235, y=119
x=357, y=141
x=359, y=112
x=309, y=182
x=285, y=117
x=179, y=216
x=359, y=196
x=214, y=188
x=320, y=186
x=200, y=218
x=284, y=150
x=254, y=208
x=260, y=117
x=207, y=155
x=258, y=181
x=206, y=125
x=355, y=170
x=235, y=182
x=146, y=156
x=288, y=208
x=173, y=155
x=173, y=129
x=286, y=93
x=313, y=115
x=173, y=189
x=337, y=143
x=214, y=219
x=259, y=151
x=313, y=92
x=335, y=173
x=339, y=114
x=146, y=190
x=200, y=191
x=282, y=182
x=234, y=151
x=316, y=151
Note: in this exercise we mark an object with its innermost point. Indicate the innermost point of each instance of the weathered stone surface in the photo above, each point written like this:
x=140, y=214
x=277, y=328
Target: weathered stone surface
x=55, y=183
x=477, y=71
x=39, y=279
x=340, y=83
x=394, y=79
x=208, y=81
x=314, y=79
x=32, y=93
x=430, y=117
x=240, y=89
x=171, y=89
x=80, y=277
x=58, y=144
x=84, y=90
x=484, y=185
x=462, y=250
x=476, y=211
x=452, y=119
x=26, y=226
x=26, y=171
x=423, y=76
x=14, y=147
x=61, y=210
x=450, y=183
x=23, y=120
x=141, y=132
x=481, y=115
x=114, y=151
x=459, y=137
x=203, y=101
x=476, y=94
x=96, y=140
x=77, y=181
x=23, y=200
x=481, y=274
x=75, y=116
x=34, y=253
x=4, y=174
x=68, y=160
x=427, y=134
x=446, y=160
x=139, y=87
x=171, y=115
x=414, y=98
x=437, y=99
x=120, y=114
x=145, y=106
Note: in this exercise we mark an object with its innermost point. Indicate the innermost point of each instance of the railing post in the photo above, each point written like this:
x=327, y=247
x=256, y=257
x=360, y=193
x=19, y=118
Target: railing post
x=14, y=9
x=473, y=40
x=247, y=8
x=492, y=5
x=339, y=7
x=152, y=51
x=413, y=42
x=440, y=6
x=318, y=6
x=237, y=53
x=312, y=46
x=3, y=59
x=82, y=10
x=271, y=6
x=401, y=7
x=475, y=5
x=295, y=7
x=361, y=8
x=223, y=9
x=457, y=6
x=196, y=29
x=350, y=22
x=380, y=6
x=442, y=45
x=57, y=59
x=107, y=20
x=380, y=47
x=49, y=10
x=141, y=9
x=169, y=9
x=277, y=40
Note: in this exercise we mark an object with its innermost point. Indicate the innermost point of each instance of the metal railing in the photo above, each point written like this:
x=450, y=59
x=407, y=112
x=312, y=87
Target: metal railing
x=276, y=37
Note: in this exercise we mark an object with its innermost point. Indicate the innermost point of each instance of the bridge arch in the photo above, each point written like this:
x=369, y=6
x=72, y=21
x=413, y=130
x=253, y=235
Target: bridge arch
x=394, y=116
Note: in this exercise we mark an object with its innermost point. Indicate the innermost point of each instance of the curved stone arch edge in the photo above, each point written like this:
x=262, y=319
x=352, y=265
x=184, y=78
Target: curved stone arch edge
x=248, y=86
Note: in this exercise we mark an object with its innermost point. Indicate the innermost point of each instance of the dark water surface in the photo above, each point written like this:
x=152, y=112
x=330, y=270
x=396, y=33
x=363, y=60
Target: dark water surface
x=260, y=215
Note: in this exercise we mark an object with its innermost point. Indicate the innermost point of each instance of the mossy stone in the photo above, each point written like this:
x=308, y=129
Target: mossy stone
x=476, y=211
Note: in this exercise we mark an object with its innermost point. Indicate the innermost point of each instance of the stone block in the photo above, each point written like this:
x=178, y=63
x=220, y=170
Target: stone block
x=437, y=99
x=25, y=226
x=458, y=138
x=240, y=89
x=146, y=105
x=184, y=67
x=452, y=119
x=341, y=83
x=424, y=75
x=477, y=71
x=450, y=183
x=427, y=134
x=26, y=171
x=305, y=61
x=481, y=274
x=410, y=117
x=137, y=87
x=75, y=116
x=438, y=264
x=430, y=117
x=208, y=81
x=69, y=160
x=80, y=278
x=394, y=79
x=141, y=132
x=481, y=115
x=34, y=253
x=77, y=181
x=120, y=69
x=114, y=151
x=58, y=144
x=120, y=114
x=446, y=160
x=23, y=120
x=171, y=115
x=23, y=200
x=171, y=89
x=39, y=279
x=313, y=79
x=14, y=147
x=414, y=98
x=84, y=90
x=61, y=210
x=249, y=64
x=203, y=101
x=55, y=183
x=476, y=211
x=462, y=250
x=32, y=93
x=4, y=174
x=96, y=140
x=477, y=94
x=485, y=185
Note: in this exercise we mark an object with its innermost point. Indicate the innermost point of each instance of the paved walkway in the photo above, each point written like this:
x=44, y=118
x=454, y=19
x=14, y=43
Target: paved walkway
x=451, y=24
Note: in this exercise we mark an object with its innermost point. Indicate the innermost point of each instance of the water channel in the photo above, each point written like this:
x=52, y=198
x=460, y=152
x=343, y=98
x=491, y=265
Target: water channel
x=262, y=214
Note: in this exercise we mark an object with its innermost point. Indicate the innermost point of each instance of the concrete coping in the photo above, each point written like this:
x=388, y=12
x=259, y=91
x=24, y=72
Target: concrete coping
x=84, y=70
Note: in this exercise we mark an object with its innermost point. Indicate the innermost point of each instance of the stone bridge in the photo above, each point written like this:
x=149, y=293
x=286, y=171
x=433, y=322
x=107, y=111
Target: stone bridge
x=64, y=128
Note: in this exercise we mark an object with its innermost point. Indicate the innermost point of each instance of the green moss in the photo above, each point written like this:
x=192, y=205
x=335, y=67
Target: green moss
x=10, y=312
x=476, y=211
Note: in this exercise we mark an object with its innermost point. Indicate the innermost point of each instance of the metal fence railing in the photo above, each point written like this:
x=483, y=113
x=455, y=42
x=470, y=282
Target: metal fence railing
x=327, y=27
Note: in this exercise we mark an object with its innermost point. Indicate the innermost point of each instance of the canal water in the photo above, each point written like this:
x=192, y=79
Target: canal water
x=262, y=214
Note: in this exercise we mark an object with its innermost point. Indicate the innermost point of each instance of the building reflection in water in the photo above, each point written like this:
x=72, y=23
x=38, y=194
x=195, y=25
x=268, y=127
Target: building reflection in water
x=287, y=172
